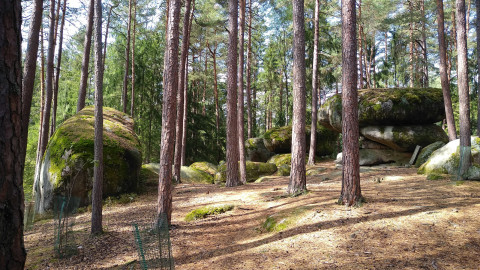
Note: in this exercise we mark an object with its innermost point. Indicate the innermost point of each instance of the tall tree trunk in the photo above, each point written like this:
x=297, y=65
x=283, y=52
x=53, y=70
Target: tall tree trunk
x=249, y=70
x=82, y=92
x=412, y=69
x=298, y=183
x=106, y=34
x=351, y=192
x=185, y=110
x=169, y=110
x=240, y=104
x=57, y=75
x=477, y=5
x=29, y=71
x=360, y=64
x=180, y=100
x=424, y=44
x=127, y=59
x=313, y=127
x=452, y=132
x=48, y=85
x=132, y=100
x=42, y=104
x=285, y=74
x=215, y=93
x=464, y=101
x=204, y=95
x=97, y=189
x=12, y=251
x=232, y=120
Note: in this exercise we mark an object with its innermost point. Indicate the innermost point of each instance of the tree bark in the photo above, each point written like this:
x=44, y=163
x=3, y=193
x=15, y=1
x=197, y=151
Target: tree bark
x=132, y=100
x=452, y=132
x=127, y=59
x=412, y=69
x=185, y=111
x=360, y=63
x=42, y=103
x=464, y=101
x=12, y=251
x=215, y=92
x=477, y=4
x=424, y=44
x=351, y=192
x=298, y=183
x=48, y=85
x=313, y=127
x=97, y=189
x=82, y=92
x=29, y=71
x=232, y=120
x=57, y=75
x=240, y=104
x=180, y=96
x=249, y=68
x=106, y=35
x=169, y=110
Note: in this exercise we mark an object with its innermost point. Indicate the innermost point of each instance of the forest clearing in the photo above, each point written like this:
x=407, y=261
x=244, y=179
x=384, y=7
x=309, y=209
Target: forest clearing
x=407, y=222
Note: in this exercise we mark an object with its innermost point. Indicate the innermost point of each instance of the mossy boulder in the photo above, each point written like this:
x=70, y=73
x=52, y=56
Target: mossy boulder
x=254, y=171
x=396, y=106
x=405, y=138
x=370, y=157
x=426, y=152
x=281, y=159
x=365, y=143
x=279, y=140
x=256, y=151
x=67, y=166
x=205, y=167
x=446, y=160
x=283, y=170
x=192, y=176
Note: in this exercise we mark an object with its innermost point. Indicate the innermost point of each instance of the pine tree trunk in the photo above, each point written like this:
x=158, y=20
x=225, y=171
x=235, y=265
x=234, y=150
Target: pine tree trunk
x=412, y=69
x=57, y=75
x=127, y=60
x=132, y=100
x=215, y=93
x=185, y=111
x=12, y=251
x=351, y=192
x=49, y=83
x=169, y=110
x=477, y=4
x=360, y=63
x=29, y=70
x=232, y=126
x=42, y=104
x=249, y=70
x=241, y=107
x=298, y=181
x=97, y=189
x=424, y=43
x=463, y=95
x=181, y=82
x=106, y=35
x=82, y=92
x=313, y=127
x=452, y=132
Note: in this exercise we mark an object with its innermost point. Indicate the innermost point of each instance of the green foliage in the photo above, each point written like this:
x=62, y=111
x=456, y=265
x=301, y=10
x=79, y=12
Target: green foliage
x=203, y=212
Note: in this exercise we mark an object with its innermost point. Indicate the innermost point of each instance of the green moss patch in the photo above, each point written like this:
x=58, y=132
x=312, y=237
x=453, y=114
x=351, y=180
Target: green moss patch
x=434, y=176
x=205, y=167
x=284, y=219
x=206, y=211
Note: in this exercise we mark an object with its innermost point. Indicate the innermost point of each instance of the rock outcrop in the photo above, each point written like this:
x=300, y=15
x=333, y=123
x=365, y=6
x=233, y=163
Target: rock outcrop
x=256, y=151
x=254, y=171
x=67, y=165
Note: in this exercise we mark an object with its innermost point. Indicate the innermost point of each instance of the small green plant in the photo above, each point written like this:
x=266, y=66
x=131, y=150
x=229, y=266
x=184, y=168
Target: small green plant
x=271, y=224
x=203, y=212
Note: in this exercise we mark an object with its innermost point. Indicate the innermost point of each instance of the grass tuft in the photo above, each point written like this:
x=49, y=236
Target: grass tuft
x=203, y=212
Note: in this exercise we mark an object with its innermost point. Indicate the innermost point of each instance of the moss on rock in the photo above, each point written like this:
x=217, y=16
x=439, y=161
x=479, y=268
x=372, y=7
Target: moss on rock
x=395, y=106
x=256, y=151
x=206, y=211
x=68, y=161
x=205, y=167
x=191, y=175
x=279, y=140
x=446, y=160
x=426, y=152
x=254, y=171
x=281, y=159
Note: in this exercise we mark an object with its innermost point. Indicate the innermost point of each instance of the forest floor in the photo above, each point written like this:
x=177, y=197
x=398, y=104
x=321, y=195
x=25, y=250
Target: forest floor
x=407, y=222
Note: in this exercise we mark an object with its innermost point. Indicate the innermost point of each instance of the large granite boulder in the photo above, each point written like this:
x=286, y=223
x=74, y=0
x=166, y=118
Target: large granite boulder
x=205, y=167
x=279, y=140
x=405, y=138
x=198, y=172
x=255, y=170
x=397, y=106
x=370, y=157
x=446, y=160
x=67, y=165
x=426, y=152
x=195, y=176
x=256, y=151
